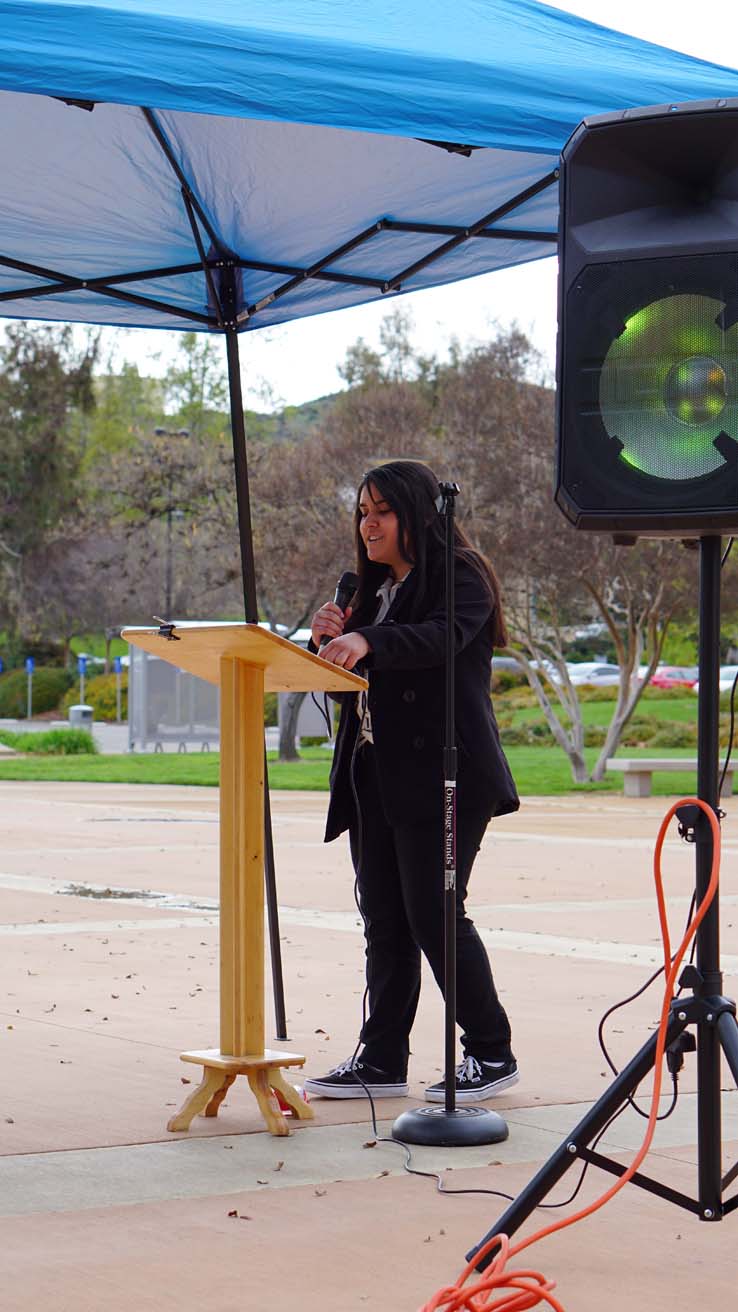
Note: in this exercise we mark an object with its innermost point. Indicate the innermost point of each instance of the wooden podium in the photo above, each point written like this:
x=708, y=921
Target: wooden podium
x=246, y=661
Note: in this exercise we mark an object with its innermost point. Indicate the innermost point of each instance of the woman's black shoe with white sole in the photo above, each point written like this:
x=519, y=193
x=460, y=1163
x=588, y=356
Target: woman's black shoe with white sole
x=354, y=1079
x=476, y=1080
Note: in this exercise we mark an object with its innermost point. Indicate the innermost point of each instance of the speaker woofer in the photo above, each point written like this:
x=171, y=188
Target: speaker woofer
x=650, y=398
x=667, y=387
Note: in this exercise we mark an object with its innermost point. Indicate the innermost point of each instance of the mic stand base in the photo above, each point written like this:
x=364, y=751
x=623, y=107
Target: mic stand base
x=438, y=1128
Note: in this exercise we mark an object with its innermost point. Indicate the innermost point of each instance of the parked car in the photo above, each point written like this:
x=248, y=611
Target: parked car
x=506, y=665
x=598, y=673
x=727, y=678
x=674, y=676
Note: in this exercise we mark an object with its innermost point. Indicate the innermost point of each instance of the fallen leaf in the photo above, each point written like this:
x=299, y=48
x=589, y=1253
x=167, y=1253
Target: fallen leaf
x=370, y=1143
x=320, y=1193
x=183, y=1080
x=233, y=1213
x=279, y=1166
x=262, y=1182
x=381, y=1173
x=9, y=1120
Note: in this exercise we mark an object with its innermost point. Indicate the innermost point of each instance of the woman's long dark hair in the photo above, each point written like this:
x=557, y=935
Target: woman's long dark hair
x=411, y=489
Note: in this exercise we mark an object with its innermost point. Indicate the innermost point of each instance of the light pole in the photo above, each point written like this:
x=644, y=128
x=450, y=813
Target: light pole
x=171, y=513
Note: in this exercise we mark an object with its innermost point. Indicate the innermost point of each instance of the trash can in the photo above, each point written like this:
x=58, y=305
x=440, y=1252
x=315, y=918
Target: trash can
x=80, y=717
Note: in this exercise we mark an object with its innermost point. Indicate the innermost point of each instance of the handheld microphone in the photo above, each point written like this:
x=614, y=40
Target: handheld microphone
x=345, y=589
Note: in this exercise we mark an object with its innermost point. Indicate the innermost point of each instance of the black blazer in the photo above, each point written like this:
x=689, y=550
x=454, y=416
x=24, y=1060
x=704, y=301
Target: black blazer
x=406, y=671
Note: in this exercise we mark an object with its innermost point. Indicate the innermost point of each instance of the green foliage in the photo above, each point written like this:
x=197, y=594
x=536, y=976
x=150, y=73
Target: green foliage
x=271, y=717
x=680, y=643
x=51, y=742
x=127, y=406
x=49, y=685
x=507, y=679
x=514, y=699
x=44, y=383
x=100, y=694
x=14, y=650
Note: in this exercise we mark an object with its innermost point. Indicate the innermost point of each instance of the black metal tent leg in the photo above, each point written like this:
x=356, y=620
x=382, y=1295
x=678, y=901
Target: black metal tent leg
x=240, y=464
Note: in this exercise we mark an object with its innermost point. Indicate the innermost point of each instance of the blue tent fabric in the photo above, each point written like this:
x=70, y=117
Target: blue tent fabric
x=295, y=126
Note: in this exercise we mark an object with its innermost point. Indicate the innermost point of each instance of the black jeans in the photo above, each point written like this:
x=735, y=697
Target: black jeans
x=400, y=880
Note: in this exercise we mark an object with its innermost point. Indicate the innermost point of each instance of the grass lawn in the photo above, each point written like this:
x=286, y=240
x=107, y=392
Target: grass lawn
x=537, y=770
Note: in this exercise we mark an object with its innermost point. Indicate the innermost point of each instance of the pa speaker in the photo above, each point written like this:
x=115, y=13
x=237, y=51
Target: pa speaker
x=647, y=358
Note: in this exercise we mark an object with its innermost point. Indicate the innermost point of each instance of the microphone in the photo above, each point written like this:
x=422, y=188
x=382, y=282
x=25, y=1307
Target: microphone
x=345, y=589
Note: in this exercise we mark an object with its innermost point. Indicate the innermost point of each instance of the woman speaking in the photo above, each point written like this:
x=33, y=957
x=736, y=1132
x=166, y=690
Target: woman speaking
x=387, y=779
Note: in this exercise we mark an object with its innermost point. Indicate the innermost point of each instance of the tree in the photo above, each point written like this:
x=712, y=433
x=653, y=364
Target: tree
x=196, y=386
x=45, y=386
x=127, y=406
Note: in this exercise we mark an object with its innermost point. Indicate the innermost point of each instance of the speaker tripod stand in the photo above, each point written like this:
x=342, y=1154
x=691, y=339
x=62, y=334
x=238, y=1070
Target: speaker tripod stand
x=701, y=1005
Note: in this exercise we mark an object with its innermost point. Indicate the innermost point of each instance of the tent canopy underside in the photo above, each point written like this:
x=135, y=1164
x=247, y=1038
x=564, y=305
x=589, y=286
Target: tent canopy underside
x=330, y=155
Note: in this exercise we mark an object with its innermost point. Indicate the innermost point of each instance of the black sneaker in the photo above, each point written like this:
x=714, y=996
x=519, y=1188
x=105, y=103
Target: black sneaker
x=344, y=1082
x=476, y=1080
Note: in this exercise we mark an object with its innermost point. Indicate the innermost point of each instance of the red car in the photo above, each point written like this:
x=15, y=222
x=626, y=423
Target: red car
x=674, y=676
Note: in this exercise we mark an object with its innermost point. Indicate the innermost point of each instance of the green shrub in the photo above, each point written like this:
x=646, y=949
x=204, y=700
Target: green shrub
x=506, y=680
x=49, y=685
x=270, y=709
x=516, y=698
x=667, y=694
x=594, y=735
x=534, y=733
x=14, y=650
x=673, y=734
x=100, y=695
x=647, y=731
x=53, y=742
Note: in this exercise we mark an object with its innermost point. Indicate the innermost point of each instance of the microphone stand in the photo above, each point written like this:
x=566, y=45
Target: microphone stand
x=449, y=1126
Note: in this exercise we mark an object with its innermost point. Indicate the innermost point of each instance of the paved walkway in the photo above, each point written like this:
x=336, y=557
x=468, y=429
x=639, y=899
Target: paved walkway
x=108, y=921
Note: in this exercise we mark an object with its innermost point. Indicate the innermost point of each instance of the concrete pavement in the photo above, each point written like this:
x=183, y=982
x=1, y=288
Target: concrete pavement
x=108, y=922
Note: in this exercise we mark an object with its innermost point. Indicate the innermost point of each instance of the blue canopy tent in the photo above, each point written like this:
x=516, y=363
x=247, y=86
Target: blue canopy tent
x=164, y=166
x=226, y=172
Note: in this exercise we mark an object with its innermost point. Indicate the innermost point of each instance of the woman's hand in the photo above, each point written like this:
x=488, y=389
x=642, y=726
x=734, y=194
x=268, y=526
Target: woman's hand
x=346, y=650
x=328, y=622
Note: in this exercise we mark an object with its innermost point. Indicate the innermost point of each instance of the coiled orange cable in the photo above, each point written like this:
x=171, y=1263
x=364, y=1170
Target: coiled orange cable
x=499, y=1290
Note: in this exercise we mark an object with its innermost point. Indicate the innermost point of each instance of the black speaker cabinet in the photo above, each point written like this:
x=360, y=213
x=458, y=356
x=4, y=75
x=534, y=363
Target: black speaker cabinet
x=647, y=360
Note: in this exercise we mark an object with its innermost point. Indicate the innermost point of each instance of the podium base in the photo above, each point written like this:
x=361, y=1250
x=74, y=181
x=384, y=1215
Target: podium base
x=265, y=1081
x=464, y=1127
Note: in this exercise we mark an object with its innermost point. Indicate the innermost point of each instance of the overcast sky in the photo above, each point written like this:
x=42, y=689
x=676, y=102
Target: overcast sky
x=297, y=362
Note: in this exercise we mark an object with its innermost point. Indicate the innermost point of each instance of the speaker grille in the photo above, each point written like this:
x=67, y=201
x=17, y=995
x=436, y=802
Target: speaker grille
x=667, y=387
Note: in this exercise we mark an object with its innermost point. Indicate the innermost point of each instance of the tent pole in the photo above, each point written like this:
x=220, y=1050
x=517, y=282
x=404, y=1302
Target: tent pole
x=240, y=463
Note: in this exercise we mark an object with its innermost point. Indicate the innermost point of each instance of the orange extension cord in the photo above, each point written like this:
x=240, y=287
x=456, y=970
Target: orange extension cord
x=499, y=1290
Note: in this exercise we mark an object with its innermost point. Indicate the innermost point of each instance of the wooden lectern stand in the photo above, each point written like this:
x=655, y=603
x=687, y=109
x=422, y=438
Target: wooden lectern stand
x=246, y=661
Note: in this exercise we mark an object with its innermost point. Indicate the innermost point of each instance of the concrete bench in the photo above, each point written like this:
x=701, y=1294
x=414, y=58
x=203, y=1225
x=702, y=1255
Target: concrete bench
x=637, y=772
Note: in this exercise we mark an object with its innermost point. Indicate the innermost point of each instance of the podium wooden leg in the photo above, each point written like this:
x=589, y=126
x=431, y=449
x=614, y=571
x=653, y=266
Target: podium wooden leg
x=302, y=1110
x=268, y=1105
x=217, y=1098
x=265, y=1079
x=213, y=1082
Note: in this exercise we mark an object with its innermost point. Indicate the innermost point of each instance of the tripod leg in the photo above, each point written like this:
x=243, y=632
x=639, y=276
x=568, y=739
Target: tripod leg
x=567, y=1153
x=728, y=1034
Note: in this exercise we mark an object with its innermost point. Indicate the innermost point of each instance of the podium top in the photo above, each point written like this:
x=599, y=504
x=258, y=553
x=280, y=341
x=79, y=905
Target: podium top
x=198, y=647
